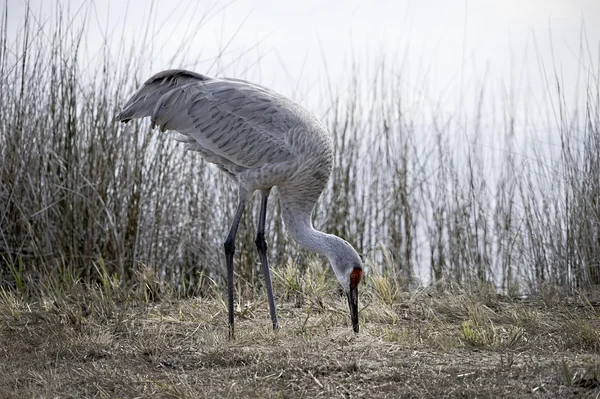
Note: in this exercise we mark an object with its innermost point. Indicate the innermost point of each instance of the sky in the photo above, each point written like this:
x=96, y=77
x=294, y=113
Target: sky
x=292, y=46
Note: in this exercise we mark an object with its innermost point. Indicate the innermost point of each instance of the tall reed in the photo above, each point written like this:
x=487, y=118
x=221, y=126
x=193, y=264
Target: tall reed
x=417, y=190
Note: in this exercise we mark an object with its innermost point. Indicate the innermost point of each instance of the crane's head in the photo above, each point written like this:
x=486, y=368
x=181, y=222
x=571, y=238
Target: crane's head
x=348, y=269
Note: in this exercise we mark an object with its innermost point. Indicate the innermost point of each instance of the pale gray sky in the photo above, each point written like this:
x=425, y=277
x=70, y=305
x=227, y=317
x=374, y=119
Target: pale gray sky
x=446, y=46
x=294, y=37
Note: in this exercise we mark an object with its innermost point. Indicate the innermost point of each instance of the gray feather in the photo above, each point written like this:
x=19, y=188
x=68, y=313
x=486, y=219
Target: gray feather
x=241, y=126
x=143, y=101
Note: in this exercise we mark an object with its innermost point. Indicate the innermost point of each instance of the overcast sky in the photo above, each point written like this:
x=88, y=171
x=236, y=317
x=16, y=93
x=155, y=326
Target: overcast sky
x=293, y=38
x=297, y=47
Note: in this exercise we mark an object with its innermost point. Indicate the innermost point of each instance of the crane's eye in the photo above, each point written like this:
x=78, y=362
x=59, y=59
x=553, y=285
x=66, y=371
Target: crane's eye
x=355, y=277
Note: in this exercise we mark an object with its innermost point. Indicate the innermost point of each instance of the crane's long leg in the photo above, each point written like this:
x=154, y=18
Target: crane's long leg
x=261, y=245
x=229, y=246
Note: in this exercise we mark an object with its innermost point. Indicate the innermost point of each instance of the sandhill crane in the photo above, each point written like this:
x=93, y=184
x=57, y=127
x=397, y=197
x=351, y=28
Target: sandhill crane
x=260, y=139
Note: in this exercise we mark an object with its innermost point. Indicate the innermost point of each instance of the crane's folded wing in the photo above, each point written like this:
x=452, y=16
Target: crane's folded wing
x=144, y=100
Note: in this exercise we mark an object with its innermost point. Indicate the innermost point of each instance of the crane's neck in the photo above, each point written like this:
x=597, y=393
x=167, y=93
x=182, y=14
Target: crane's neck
x=299, y=226
x=342, y=256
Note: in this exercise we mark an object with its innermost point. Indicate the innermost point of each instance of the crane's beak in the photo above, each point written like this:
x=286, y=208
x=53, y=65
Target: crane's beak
x=353, y=303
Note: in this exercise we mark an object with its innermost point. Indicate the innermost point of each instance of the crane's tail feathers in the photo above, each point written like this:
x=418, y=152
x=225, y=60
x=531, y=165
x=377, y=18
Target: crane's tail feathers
x=143, y=102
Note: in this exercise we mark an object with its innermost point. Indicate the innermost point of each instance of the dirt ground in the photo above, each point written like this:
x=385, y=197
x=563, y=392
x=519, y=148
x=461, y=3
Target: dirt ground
x=106, y=344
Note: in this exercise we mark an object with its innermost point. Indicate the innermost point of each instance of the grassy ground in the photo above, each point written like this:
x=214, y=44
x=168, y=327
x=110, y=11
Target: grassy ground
x=112, y=342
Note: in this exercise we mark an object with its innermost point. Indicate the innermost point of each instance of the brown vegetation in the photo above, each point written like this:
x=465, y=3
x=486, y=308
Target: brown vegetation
x=108, y=341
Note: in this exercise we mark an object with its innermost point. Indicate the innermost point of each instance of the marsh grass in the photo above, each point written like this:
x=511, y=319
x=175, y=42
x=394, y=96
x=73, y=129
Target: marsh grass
x=85, y=198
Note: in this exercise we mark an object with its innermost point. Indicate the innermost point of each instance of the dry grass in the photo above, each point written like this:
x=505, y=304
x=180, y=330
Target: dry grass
x=98, y=342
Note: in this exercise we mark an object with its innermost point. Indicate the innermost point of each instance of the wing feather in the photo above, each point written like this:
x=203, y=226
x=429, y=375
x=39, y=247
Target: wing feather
x=143, y=101
x=232, y=122
x=225, y=118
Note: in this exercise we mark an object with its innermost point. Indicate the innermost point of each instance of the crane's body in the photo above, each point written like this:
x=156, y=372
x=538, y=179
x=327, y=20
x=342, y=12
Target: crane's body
x=260, y=139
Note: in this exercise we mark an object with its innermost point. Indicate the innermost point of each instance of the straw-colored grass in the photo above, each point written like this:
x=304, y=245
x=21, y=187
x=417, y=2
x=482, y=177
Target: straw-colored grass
x=113, y=342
